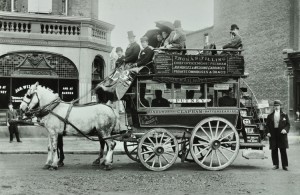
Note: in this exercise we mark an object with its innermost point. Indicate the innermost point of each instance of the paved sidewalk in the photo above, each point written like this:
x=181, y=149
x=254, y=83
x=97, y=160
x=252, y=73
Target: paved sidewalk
x=72, y=145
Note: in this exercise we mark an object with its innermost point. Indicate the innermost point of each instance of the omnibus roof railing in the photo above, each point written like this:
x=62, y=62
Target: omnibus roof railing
x=195, y=49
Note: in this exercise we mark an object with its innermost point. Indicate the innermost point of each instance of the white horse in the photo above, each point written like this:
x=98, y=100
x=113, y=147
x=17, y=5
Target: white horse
x=86, y=118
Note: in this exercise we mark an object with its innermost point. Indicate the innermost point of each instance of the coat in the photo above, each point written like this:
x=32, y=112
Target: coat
x=11, y=115
x=119, y=61
x=145, y=56
x=235, y=43
x=277, y=139
x=132, y=53
x=178, y=41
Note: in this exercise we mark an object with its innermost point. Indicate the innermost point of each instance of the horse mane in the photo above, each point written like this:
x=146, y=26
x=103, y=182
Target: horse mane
x=39, y=87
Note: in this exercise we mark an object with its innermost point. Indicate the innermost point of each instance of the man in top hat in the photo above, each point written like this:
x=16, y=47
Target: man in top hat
x=278, y=126
x=12, y=115
x=146, y=54
x=177, y=37
x=133, y=49
x=236, y=40
x=121, y=57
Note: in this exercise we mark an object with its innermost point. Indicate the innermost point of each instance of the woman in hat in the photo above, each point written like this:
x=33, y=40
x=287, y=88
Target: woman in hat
x=278, y=126
x=177, y=37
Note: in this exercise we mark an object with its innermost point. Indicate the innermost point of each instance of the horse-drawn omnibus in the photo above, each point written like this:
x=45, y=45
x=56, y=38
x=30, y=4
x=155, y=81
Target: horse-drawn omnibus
x=190, y=107
x=186, y=106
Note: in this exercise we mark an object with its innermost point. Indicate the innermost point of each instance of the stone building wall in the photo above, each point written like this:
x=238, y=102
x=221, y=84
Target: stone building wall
x=264, y=27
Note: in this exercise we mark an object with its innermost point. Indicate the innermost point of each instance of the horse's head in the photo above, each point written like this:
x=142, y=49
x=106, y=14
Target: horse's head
x=30, y=99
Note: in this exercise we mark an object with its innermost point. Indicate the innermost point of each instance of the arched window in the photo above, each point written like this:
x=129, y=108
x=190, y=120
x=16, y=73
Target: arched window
x=98, y=69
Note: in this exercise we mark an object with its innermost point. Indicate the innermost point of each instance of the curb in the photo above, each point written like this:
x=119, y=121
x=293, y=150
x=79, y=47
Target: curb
x=65, y=152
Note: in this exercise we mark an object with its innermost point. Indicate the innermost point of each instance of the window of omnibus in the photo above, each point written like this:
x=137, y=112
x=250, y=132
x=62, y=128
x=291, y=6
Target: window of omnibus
x=189, y=95
x=222, y=94
x=154, y=95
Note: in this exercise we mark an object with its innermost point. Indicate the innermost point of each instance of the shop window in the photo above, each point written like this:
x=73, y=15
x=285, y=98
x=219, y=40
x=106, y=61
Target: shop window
x=4, y=92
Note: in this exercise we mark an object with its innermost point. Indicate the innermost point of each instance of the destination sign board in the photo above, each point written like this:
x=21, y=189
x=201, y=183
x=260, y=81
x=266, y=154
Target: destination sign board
x=206, y=65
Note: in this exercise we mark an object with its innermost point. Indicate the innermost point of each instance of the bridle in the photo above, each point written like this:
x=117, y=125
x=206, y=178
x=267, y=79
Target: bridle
x=30, y=97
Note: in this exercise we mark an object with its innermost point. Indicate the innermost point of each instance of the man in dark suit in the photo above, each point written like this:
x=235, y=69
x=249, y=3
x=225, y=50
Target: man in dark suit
x=236, y=40
x=159, y=101
x=227, y=100
x=278, y=126
x=121, y=57
x=146, y=54
x=133, y=50
x=11, y=116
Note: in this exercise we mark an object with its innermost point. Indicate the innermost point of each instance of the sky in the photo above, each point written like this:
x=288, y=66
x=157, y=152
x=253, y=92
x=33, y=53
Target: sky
x=140, y=16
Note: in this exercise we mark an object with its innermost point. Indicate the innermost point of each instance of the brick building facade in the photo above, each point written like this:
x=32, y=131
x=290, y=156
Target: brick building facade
x=267, y=28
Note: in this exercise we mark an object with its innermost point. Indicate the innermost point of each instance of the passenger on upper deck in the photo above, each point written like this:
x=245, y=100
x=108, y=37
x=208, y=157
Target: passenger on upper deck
x=177, y=37
x=121, y=57
x=160, y=41
x=227, y=100
x=236, y=40
x=146, y=54
x=133, y=50
x=159, y=101
x=165, y=35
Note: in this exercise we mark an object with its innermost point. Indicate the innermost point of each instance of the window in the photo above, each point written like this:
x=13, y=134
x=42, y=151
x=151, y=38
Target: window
x=222, y=95
x=189, y=95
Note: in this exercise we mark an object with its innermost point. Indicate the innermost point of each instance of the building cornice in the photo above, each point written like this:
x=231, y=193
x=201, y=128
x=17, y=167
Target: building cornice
x=57, y=43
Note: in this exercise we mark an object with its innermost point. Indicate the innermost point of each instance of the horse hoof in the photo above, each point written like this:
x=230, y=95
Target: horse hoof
x=46, y=167
x=107, y=167
x=53, y=168
x=96, y=162
x=60, y=164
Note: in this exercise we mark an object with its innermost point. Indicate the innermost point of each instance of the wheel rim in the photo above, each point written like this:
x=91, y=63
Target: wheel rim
x=217, y=141
x=131, y=150
x=158, y=150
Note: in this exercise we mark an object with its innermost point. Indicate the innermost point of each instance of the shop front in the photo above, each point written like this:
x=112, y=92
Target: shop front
x=19, y=70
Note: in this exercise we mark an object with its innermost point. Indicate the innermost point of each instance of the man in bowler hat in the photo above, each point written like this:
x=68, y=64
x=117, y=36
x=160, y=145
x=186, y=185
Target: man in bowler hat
x=278, y=126
x=146, y=54
x=236, y=40
x=11, y=116
x=133, y=49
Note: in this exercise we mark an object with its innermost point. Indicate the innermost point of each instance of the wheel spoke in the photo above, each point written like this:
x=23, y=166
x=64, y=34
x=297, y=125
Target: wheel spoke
x=202, y=150
x=147, y=152
x=133, y=150
x=227, y=149
x=202, y=138
x=165, y=159
x=162, y=137
x=222, y=131
x=210, y=129
x=211, y=159
x=147, y=146
x=226, y=136
x=151, y=156
x=171, y=154
x=217, y=127
x=153, y=163
x=159, y=161
x=156, y=140
x=223, y=154
x=205, y=133
x=206, y=155
x=168, y=140
x=171, y=146
x=150, y=141
x=203, y=144
x=218, y=158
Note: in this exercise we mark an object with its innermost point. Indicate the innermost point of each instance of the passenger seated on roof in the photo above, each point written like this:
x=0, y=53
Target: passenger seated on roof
x=236, y=40
x=159, y=101
x=227, y=100
x=160, y=41
x=146, y=55
x=177, y=37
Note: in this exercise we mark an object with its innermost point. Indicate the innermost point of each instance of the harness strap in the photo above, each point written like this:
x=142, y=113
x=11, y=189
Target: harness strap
x=67, y=116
